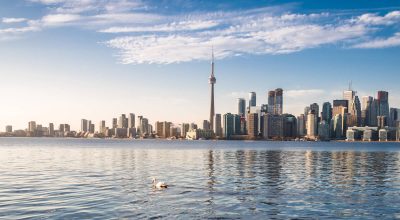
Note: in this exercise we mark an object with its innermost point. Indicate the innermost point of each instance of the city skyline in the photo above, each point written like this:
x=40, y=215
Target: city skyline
x=86, y=76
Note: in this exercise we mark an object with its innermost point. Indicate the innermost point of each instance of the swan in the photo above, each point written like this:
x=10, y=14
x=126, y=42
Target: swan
x=159, y=184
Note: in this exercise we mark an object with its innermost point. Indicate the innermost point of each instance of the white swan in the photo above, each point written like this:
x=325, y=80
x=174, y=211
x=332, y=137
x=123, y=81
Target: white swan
x=159, y=184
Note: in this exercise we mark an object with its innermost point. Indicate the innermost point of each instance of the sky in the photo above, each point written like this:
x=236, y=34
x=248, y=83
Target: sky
x=64, y=60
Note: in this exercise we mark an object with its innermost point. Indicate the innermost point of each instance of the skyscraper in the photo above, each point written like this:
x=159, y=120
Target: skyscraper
x=271, y=102
x=253, y=125
x=383, y=100
x=131, y=120
x=84, y=125
x=241, y=106
x=278, y=101
x=326, y=112
x=367, y=110
x=217, y=126
x=252, y=99
x=212, y=80
x=228, y=125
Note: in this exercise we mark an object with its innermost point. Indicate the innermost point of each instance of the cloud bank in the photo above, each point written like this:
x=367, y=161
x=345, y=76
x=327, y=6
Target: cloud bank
x=140, y=35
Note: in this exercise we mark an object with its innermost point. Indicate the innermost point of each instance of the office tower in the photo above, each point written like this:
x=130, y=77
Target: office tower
x=61, y=128
x=121, y=121
x=241, y=106
x=217, y=126
x=51, y=129
x=393, y=117
x=323, y=130
x=149, y=128
x=67, y=128
x=143, y=127
x=166, y=129
x=228, y=125
x=366, y=112
x=184, y=129
x=39, y=130
x=289, y=126
x=326, y=112
x=114, y=123
x=273, y=126
x=84, y=125
x=131, y=120
x=237, y=124
x=374, y=113
x=9, y=129
x=311, y=124
x=271, y=102
x=252, y=125
x=301, y=124
x=383, y=101
x=91, y=128
x=32, y=127
x=102, y=127
x=338, y=126
x=278, y=107
x=355, y=111
x=252, y=99
x=206, y=125
x=212, y=81
x=315, y=109
x=338, y=106
x=159, y=128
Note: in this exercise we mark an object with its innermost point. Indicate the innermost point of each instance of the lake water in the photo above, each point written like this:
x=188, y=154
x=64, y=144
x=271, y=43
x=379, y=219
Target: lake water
x=111, y=179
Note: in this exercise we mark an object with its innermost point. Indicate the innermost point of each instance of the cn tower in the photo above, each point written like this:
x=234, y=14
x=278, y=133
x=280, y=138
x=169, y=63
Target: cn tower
x=212, y=80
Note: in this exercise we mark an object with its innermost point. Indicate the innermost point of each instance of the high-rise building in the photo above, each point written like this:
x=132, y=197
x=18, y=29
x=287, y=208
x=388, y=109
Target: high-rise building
x=184, y=129
x=301, y=125
x=394, y=116
x=228, y=120
x=289, y=126
x=61, y=128
x=273, y=126
x=252, y=99
x=383, y=101
x=114, y=123
x=131, y=120
x=67, y=128
x=51, y=129
x=312, y=125
x=374, y=113
x=326, y=112
x=9, y=129
x=84, y=125
x=159, y=128
x=338, y=106
x=241, y=106
x=338, y=126
x=275, y=101
x=166, y=129
x=271, y=102
x=366, y=111
x=315, y=109
x=121, y=121
x=217, y=126
x=206, y=125
x=252, y=125
x=237, y=124
x=212, y=81
x=32, y=126
x=102, y=127
x=278, y=107
x=323, y=130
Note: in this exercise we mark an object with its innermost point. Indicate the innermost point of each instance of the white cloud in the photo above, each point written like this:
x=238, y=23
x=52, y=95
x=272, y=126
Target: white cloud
x=381, y=42
x=58, y=19
x=174, y=26
x=143, y=36
x=374, y=19
x=13, y=20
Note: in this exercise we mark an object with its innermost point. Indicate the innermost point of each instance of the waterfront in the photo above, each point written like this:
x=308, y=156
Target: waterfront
x=106, y=179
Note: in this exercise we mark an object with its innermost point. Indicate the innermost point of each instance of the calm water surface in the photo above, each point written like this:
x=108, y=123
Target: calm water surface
x=111, y=179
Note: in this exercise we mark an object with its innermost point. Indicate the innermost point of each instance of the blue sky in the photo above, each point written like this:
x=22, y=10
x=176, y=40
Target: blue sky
x=63, y=60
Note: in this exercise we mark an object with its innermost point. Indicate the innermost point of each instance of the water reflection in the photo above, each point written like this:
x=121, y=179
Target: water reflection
x=206, y=182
